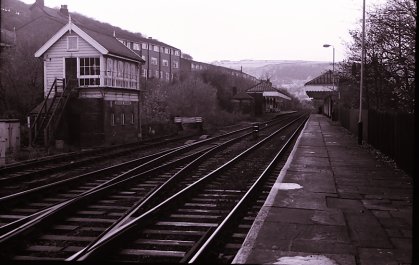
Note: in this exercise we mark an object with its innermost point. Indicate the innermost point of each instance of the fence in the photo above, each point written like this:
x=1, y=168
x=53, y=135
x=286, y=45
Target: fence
x=348, y=118
x=391, y=133
x=394, y=135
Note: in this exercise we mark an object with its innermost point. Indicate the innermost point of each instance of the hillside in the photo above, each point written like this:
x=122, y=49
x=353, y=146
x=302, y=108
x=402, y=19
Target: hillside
x=291, y=75
x=15, y=14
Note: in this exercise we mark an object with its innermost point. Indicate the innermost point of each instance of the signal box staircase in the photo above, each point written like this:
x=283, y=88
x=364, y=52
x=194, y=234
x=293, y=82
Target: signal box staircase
x=43, y=127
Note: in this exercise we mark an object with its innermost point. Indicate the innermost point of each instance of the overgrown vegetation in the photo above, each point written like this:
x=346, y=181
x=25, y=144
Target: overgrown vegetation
x=390, y=50
x=206, y=93
x=21, y=82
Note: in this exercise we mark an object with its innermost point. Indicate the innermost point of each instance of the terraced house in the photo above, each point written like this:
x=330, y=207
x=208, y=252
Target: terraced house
x=162, y=60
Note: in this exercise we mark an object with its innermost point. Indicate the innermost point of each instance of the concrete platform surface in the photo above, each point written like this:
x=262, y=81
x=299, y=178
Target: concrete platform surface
x=333, y=203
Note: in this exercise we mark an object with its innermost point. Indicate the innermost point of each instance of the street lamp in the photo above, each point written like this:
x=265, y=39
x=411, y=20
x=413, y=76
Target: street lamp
x=333, y=78
x=361, y=83
x=333, y=65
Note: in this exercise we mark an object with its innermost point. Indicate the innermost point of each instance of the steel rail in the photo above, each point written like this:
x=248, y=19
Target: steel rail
x=158, y=155
x=87, y=152
x=13, y=228
x=144, y=218
x=159, y=191
x=201, y=253
x=156, y=158
x=81, y=159
x=159, y=158
x=56, y=209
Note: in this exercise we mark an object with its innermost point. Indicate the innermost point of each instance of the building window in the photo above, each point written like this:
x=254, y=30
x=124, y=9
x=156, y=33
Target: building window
x=156, y=48
x=144, y=46
x=151, y=47
x=72, y=43
x=122, y=118
x=167, y=76
x=165, y=62
x=144, y=73
x=143, y=57
x=161, y=74
x=136, y=46
x=177, y=53
x=154, y=61
x=175, y=64
x=112, y=119
x=121, y=74
x=157, y=73
x=89, y=71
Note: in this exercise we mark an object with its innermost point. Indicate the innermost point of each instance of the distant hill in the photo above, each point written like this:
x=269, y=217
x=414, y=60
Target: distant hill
x=291, y=75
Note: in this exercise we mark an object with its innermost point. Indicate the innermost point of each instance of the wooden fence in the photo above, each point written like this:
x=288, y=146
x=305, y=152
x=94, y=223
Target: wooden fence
x=394, y=135
x=349, y=118
x=391, y=133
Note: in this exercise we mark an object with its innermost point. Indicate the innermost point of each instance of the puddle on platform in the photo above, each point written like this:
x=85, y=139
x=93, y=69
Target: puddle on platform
x=308, y=260
x=287, y=186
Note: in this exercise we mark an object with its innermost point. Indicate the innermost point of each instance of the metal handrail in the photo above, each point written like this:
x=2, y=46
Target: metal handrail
x=51, y=122
x=44, y=107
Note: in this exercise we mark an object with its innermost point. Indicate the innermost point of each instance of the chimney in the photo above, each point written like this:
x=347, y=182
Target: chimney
x=150, y=38
x=64, y=10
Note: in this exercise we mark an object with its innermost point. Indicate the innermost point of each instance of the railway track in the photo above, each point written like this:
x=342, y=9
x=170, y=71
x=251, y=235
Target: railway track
x=193, y=224
x=40, y=172
x=17, y=206
x=30, y=174
x=123, y=197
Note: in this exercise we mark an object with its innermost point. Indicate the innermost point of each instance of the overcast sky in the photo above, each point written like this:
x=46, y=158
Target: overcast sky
x=211, y=30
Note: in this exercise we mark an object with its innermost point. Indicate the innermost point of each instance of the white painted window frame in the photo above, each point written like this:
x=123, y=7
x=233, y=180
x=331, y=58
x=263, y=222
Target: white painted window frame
x=79, y=76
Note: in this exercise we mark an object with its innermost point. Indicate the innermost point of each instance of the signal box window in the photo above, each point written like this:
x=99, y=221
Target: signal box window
x=89, y=69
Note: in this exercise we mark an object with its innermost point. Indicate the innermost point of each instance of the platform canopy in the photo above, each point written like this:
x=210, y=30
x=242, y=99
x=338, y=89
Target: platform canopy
x=321, y=86
x=267, y=90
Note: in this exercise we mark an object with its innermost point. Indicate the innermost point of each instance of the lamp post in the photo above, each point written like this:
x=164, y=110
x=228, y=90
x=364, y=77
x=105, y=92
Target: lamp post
x=333, y=64
x=361, y=83
x=333, y=78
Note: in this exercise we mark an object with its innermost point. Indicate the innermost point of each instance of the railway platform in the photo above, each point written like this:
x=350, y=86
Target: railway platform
x=333, y=203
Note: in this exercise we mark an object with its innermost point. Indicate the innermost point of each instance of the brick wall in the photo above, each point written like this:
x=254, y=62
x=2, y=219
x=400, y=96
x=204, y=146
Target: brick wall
x=119, y=133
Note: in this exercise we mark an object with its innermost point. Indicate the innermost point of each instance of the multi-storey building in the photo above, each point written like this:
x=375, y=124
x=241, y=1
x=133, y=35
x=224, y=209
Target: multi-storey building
x=162, y=60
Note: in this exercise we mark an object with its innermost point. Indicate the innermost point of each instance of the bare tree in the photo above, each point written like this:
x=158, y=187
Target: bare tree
x=390, y=55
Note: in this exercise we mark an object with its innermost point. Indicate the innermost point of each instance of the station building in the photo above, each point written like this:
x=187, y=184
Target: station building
x=267, y=98
x=324, y=92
